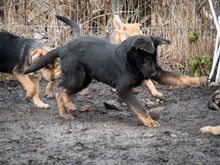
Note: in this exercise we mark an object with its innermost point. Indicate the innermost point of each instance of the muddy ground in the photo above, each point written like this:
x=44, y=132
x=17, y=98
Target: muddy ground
x=102, y=136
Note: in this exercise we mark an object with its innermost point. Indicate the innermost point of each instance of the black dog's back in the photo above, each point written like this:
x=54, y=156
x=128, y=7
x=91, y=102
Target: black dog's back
x=98, y=57
x=14, y=51
x=8, y=52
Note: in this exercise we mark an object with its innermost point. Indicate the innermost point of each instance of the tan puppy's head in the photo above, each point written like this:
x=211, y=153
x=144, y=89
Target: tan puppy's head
x=52, y=70
x=122, y=31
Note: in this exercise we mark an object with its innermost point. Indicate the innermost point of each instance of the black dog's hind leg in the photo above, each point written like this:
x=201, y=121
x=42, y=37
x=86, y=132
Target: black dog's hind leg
x=62, y=99
x=70, y=84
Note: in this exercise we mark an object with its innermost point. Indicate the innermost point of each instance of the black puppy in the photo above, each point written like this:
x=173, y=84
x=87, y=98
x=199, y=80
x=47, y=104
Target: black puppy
x=16, y=54
x=121, y=66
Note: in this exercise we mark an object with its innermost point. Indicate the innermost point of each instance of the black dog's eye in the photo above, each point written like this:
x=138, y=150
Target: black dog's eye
x=148, y=58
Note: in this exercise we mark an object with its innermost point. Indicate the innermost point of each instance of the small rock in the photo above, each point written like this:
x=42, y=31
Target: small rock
x=9, y=88
x=159, y=101
x=112, y=104
x=100, y=94
x=172, y=135
x=214, y=84
x=86, y=92
x=34, y=150
x=68, y=132
x=149, y=103
x=29, y=110
x=154, y=113
x=148, y=135
x=124, y=104
x=86, y=108
x=113, y=90
x=136, y=90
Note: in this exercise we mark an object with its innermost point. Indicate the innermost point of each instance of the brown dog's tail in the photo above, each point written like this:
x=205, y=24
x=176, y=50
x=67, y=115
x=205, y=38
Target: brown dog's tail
x=71, y=23
x=44, y=61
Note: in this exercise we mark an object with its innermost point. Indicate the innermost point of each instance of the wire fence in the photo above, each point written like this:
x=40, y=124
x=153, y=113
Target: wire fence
x=172, y=19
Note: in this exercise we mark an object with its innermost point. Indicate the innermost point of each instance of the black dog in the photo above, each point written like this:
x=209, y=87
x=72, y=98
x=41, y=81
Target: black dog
x=121, y=66
x=16, y=54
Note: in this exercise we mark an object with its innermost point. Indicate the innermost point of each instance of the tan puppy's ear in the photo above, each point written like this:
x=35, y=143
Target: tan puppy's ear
x=117, y=22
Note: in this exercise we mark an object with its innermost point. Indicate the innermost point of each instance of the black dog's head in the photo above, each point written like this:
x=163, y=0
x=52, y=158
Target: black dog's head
x=141, y=53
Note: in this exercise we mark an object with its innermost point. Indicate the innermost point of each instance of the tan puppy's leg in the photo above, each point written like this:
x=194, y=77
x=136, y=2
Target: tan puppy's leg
x=36, y=97
x=47, y=74
x=170, y=78
x=48, y=89
x=27, y=84
x=211, y=129
x=61, y=107
x=153, y=90
x=186, y=81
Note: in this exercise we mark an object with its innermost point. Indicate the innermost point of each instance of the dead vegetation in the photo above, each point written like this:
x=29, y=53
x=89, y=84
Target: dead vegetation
x=172, y=19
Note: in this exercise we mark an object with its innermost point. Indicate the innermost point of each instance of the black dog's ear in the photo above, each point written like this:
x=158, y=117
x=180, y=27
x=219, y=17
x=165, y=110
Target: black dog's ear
x=159, y=40
x=144, y=45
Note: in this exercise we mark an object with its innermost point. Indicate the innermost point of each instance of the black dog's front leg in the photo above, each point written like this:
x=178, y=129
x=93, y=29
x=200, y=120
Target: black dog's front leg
x=170, y=78
x=145, y=118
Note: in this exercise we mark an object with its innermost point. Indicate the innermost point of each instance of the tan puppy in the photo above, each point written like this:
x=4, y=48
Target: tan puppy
x=50, y=72
x=213, y=104
x=122, y=31
x=16, y=54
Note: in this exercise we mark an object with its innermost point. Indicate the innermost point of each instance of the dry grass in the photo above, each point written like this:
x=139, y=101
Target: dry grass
x=170, y=19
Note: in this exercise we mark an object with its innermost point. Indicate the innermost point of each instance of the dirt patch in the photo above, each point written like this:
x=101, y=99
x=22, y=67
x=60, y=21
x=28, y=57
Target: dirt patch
x=101, y=136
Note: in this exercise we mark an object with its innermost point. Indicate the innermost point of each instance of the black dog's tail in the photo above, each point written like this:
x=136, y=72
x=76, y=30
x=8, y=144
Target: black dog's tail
x=71, y=23
x=43, y=61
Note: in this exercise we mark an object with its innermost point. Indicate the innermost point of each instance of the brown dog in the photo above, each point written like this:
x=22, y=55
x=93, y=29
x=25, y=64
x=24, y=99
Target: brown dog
x=16, y=54
x=213, y=104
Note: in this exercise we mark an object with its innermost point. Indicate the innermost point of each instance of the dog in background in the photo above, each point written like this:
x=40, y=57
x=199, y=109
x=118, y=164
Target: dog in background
x=16, y=54
x=122, y=66
x=122, y=31
x=213, y=104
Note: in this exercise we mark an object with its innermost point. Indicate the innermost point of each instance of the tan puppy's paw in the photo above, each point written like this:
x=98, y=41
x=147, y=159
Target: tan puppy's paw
x=42, y=105
x=70, y=106
x=211, y=129
x=66, y=116
x=49, y=94
x=158, y=95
